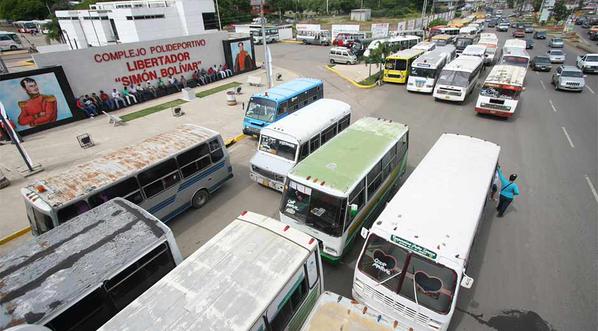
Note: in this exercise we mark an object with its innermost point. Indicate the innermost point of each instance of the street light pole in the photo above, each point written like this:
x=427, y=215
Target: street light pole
x=218, y=13
x=266, y=57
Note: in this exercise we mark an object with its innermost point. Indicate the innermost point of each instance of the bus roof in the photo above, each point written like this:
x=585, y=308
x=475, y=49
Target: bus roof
x=464, y=63
x=515, y=51
x=515, y=43
x=439, y=205
x=334, y=312
x=340, y=163
x=488, y=35
x=288, y=89
x=49, y=273
x=433, y=58
x=504, y=74
x=405, y=54
x=93, y=175
x=226, y=284
x=314, y=117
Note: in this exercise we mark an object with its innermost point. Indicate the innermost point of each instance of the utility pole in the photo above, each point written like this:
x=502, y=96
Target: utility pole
x=266, y=60
x=218, y=13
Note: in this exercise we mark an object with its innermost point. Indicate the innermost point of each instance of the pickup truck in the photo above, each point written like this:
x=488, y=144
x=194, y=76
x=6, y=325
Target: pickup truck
x=588, y=63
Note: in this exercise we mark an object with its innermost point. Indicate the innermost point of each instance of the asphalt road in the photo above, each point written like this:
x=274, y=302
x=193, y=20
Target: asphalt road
x=536, y=268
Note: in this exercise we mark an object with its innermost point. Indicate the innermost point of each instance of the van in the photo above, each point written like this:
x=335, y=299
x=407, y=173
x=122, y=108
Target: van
x=342, y=55
x=9, y=41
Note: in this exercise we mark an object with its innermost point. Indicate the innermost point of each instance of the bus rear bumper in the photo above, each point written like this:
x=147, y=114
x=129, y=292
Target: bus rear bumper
x=266, y=181
x=494, y=112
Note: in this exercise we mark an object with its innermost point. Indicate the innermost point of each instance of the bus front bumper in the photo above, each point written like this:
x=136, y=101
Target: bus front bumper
x=495, y=112
x=267, y=182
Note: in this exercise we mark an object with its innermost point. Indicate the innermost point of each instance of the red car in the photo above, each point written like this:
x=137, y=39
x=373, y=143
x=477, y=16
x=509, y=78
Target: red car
x=519, y=33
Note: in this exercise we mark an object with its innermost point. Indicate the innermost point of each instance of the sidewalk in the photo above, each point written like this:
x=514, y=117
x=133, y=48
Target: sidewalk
x=57, y=148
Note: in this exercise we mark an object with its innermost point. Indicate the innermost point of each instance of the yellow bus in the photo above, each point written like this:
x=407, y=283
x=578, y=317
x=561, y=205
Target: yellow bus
x=398, y=65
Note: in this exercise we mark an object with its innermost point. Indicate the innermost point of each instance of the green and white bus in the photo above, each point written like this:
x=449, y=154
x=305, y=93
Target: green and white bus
x=343, y=185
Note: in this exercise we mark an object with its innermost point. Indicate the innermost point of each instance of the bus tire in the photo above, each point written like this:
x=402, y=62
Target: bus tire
x=13, y=47
x=331, y=61
x=200, y=198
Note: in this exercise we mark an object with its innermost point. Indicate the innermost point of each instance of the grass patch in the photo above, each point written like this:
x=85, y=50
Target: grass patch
x=211, y=91
x=372, y=79
x=151, y=110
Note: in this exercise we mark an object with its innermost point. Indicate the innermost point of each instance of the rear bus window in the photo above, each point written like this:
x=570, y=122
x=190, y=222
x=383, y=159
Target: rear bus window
x=70, y=211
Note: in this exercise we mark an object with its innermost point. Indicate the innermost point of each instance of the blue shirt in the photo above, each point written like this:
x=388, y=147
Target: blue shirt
x=508, y=189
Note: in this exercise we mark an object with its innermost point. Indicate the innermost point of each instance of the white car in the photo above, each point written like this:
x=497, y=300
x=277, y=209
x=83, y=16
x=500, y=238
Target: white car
x=556, y=56
x=588, y=63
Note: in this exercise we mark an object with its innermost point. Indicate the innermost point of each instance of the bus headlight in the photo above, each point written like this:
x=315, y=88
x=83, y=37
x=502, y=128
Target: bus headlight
x=358, y=285
x=434, y=324
x=330, y=250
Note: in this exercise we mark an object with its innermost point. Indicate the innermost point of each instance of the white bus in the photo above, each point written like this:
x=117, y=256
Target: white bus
x=475, y=50
x=341, y=187
x=314, y=37
x=80, y=277
x=500, y=93
x=426, y=69
x=272, y=35
x=396, y=43
x=488, y=36
x=255, y=274
x=335, y=312
x=492, y=53
x=515, y=43
x=425, y=46
x=515, y=56
x=164, y=174
x=458, y=78
x=416, y=253
x=286, y=142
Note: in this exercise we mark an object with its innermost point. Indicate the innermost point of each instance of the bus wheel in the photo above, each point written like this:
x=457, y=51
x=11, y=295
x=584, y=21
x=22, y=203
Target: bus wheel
x=200, y=198
x=331, y=61
x=13, y=48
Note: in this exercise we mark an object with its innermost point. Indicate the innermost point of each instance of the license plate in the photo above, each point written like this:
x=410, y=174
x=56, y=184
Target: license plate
x=447, y=97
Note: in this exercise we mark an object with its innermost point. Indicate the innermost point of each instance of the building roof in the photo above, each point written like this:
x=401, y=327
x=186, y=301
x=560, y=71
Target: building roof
x=504, y=74
x=439, y=205
x=49, y=273
x=284, y=90
x=315, y=117
x=340, y=163
x=226, y=284
x=90, y=176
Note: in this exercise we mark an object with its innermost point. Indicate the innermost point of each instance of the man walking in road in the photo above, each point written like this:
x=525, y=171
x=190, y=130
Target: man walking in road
x=508, y=192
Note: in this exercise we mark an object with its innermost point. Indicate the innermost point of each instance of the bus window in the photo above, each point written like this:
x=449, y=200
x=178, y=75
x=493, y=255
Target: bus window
x=328, y=133
x=314, y=143
x=141, y=275
x=387, y=164
x=344, y=123
x=311, y=270
x=294, y=301
x=303, y=151
x=158, y=178
x=260, y=325
x=73, y=210
x=216, y=153
x=374, y=179
x=129, y=189
x=88, y=313
x=357, y=197
x=194, y=160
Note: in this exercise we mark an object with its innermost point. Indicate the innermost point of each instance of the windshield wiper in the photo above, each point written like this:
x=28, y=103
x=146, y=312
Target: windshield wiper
x=389, y=278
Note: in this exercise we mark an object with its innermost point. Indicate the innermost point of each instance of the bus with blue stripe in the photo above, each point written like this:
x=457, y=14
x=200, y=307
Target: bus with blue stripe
x=164, y=174
x=277, y=102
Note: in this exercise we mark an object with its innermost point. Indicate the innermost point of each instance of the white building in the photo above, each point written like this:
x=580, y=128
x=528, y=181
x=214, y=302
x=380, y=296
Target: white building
x=108, y=23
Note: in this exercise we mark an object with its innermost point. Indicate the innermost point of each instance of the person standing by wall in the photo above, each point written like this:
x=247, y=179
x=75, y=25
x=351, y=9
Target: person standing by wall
x=508, y=191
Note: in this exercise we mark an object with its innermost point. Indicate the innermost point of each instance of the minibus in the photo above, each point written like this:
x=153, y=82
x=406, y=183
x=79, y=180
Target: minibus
x=314, y=37
x=416, y=254
x=9, y=41
x=255, y=274
x=463, y=41
x=515, y=56
x=396, y=43
x=515, y=43
x=341, y=55
x=443, y=39
x=426, y=69
x=81, y=276
x=491, y=44
x=398, y=65
x=288, y=141
x=501, y=91
x=475, y=50
x=458, y=78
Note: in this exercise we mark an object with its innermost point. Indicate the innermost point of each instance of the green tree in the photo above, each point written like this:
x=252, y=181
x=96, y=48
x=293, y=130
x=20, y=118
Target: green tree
x=438, y=21
x=560, y=11
x=537, y=4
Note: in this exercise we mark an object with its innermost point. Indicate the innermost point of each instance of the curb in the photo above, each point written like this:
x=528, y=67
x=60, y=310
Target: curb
x=349, y=79
x=291, y=41
x=14, y=235
x=231, y=141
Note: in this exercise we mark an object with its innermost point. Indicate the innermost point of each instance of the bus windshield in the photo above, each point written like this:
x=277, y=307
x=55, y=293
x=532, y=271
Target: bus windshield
x=398, y=64
x=278, y=147
x=396, y=269
x=515, y=60
x=499, y=93
x=316, y=209
x=423, y=72
x=455, y=78
x=463, y=42
x=261, y=109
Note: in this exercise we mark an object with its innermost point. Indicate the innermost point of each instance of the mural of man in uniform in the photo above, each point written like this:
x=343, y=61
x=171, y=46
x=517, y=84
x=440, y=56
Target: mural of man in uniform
x=243, y=60
x=39, y=109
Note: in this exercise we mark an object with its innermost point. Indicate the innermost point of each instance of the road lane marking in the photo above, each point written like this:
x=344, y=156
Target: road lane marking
x=590, y=89
x=568, y=138
x=542, y=83
x=552, y=105
x=592, y=188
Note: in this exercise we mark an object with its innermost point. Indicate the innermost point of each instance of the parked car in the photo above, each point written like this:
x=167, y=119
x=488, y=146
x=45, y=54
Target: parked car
x=514, y=24
x=503, y=27
x=519, y=33
x=528, y=28
x=568, y=78
x=541, y=63
x=556, y=42
x=492, y=23
x=540, y=35
x=556, y=56
x=342, y=55
x=588, y=63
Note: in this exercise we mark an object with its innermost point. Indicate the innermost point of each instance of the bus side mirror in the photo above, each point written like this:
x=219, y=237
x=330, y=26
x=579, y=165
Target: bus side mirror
x=466, y=281
x=354, y=210
x=364, y=233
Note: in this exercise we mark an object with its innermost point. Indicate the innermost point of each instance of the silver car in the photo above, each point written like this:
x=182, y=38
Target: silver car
x=556, y=43
x=568, y=78
x=556, y=56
